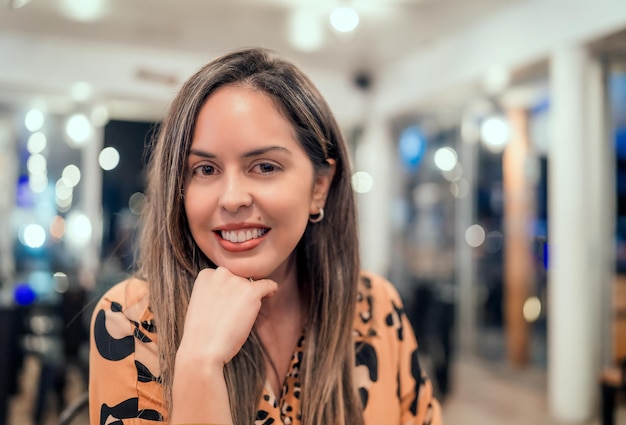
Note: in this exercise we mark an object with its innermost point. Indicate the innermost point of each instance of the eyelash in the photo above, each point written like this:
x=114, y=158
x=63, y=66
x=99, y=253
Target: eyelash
x=261, y=165
x=199, y=170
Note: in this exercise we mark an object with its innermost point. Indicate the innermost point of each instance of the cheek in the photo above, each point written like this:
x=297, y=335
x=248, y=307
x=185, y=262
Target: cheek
x=196, y=206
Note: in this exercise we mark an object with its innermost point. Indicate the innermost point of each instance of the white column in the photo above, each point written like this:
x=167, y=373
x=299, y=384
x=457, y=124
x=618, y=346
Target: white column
x=601, y=163
x=572, y=325
x=464, y=259
x=8, y=178
x=91, y=195
x=374, y=155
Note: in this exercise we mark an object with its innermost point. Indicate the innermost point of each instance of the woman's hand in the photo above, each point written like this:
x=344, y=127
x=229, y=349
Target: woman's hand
x=221, y=314
x=222, y=311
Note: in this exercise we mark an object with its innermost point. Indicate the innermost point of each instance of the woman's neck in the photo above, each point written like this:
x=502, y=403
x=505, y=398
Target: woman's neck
x=279, y=326
x=285, y=304
x=287, y=301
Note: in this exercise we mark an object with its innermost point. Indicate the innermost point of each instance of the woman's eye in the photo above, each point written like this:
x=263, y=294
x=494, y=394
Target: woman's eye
x=266, y=168
x=204, y=170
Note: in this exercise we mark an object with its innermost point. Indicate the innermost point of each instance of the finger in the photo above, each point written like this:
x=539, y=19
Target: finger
x=264, y=287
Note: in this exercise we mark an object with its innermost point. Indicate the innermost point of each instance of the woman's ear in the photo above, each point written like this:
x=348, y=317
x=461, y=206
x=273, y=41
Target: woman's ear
x=323, y=180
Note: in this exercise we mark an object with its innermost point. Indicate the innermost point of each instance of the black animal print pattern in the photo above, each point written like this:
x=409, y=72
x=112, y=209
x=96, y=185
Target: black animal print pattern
x=125, y=382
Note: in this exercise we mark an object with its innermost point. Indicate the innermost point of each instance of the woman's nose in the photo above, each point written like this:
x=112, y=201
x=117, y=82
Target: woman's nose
x=235, y=193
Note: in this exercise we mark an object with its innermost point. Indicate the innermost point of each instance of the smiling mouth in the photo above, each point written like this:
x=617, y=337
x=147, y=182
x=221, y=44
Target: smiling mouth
x=238, y=236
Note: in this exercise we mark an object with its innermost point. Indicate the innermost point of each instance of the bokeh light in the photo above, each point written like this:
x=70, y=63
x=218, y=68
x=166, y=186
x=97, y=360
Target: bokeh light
x=61, y=282
x=62, y=190
x=306, y=32
x=78, y=230
x=344, y=19
x=81, y=91
x=459, y=188
x=23, y=294
x=34, y=120
x=411, y=147
x=495, y=133
x=38, y=183
x=36, y=142
x=84, y=10
x=532, y=309
x=454, y=174
x=362, y=182
x=33, y=236
x=57, y=227
x=79, y=129
x=108, y=158
x=99, y=116
x=136, y=203
x=475, y=235
x=71, y=175
x=40, y=281
x=445, y=158
x=37, y=164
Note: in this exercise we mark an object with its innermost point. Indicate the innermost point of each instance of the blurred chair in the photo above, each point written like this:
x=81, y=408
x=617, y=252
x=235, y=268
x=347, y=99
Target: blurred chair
x=431, y=314
x=11, y=355
x=612, y=385
x=613, y=379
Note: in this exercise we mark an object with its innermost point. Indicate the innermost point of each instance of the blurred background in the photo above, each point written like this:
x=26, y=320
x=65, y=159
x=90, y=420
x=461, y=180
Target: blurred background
x=488, y=139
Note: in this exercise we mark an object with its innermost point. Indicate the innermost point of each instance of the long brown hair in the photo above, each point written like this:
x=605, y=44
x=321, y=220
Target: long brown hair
x=327, y=254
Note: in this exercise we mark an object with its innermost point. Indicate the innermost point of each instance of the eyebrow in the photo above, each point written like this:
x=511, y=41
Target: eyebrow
x=253, y=153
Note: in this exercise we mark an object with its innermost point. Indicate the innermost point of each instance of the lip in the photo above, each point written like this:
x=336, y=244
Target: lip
x=240, y=246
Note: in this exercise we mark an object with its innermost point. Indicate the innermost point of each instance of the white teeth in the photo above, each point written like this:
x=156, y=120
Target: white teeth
x=238, y=236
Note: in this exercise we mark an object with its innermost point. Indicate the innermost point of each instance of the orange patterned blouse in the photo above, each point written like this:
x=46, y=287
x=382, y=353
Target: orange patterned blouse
x=124, y=378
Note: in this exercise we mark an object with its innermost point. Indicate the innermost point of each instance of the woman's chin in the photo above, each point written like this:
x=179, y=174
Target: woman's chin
x=259, y=268
x=243, y=270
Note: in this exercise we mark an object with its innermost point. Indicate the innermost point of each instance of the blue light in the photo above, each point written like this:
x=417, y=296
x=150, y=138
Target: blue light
x=412, y=147
x=24, y=295
x=24, y=196
x=541, y=107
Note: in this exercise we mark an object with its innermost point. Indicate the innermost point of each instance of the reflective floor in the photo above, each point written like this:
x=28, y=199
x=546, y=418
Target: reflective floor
x=483, y=395
x=22, y=406
x=495, y=395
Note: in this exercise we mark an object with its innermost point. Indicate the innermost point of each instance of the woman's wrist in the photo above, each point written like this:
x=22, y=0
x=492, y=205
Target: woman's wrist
x=206, y=362
x=199, y=393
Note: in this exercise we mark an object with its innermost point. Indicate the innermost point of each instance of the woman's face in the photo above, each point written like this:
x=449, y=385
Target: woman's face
x=250, y=187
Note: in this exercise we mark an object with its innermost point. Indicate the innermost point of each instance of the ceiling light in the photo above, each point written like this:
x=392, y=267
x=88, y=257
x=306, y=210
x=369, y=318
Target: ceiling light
x=344, y=19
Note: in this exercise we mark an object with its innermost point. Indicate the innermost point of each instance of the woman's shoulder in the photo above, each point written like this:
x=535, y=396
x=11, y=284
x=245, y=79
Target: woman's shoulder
x=379, y=306
x=130, y=297
x=378, y=287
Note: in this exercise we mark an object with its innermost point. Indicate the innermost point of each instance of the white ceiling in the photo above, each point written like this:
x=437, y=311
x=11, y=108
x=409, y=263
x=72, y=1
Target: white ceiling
x=137, y=52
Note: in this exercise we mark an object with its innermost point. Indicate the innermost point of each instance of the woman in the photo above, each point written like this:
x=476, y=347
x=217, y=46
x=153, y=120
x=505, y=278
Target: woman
x=249, y=306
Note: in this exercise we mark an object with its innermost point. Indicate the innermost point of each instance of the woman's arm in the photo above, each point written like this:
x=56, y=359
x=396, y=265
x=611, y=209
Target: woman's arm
x=123, y=386
x=222, y=311
x=199, y=392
